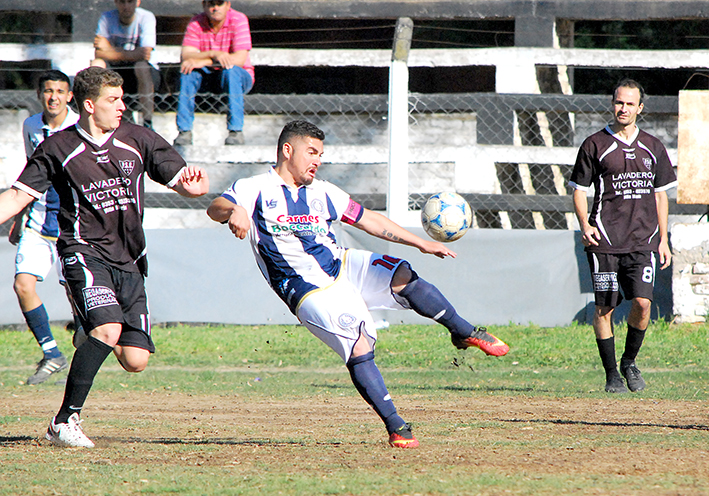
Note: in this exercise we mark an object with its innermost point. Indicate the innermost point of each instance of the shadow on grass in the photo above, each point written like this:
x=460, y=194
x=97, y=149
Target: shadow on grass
x=689, y=427
x=15, y=440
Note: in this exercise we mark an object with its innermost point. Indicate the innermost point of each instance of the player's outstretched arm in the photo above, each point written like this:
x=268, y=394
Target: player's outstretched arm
x=382, y=227
x=12, y=201
x=223, y=211
x=193, y=182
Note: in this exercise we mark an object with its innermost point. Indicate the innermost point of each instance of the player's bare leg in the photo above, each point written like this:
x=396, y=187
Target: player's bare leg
x=370, y=384
x=131, y=358
x=603, y=328
x=638, y=320
x=426, y=300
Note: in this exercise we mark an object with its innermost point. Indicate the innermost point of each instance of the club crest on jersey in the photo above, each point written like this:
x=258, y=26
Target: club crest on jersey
x=317, y=205
x=346, y=320
x=127, y=166
x=647, y=163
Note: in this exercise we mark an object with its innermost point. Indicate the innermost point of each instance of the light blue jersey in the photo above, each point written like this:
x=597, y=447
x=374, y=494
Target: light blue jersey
x=42, y=216
x=140, y=33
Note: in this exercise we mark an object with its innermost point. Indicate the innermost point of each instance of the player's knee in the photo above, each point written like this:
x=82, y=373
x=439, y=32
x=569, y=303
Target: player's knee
x=643, y=304
x=402, y=277
x=23, y=287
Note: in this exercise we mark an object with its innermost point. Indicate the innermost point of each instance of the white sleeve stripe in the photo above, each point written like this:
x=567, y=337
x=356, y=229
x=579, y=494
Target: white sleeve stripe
x=176, y=178
x=578, y=186
x=671, y=185
x=27, y=189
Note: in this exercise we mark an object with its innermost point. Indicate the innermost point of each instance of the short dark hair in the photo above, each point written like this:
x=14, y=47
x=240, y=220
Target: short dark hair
x=89, y=82
x=629, y=83
x=52, y=75
x=299, y=129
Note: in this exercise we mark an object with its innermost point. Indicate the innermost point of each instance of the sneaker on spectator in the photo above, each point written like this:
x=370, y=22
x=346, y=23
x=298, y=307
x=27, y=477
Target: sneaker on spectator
x=47, y=367
x=403, y=438
x=482, y=339
x=184, y=138
x=234, y=138
x=69, y=434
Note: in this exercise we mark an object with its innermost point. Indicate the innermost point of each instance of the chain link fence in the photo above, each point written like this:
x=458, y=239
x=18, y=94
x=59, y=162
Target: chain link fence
x=529, y=193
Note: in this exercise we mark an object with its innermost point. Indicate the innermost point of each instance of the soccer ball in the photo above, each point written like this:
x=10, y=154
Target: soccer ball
x=446, y=217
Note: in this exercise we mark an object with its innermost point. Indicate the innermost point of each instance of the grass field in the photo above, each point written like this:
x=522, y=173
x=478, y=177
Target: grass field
x=270, y=410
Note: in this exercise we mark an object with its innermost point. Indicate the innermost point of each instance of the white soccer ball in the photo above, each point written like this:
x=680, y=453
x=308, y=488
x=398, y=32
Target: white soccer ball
x=446, y=217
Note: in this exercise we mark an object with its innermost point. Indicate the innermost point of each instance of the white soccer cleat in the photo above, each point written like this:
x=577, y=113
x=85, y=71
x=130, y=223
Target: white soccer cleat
x=69, y=434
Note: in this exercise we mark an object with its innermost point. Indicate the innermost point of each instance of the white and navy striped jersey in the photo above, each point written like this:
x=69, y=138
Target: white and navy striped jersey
x=291, y=231
x=42, y=215
x=625, y=175
x=100, y=187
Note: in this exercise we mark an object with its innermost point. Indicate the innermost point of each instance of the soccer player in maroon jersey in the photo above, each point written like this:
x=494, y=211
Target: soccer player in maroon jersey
x=625, y=234
x=97, y=168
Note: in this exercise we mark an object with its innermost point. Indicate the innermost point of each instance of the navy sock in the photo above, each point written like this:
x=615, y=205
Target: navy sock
x=87, y=360
x=606, y=348
x=425, y=299
x=370, y=384
x=38, y=322
x=633, y=342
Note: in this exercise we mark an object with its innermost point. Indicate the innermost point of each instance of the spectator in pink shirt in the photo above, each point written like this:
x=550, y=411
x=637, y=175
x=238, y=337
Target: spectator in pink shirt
x=215, y=56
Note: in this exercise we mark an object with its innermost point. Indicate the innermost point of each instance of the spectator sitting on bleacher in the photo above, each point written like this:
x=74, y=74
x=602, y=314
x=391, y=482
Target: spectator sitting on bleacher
x=215, y=52
x=125, y=39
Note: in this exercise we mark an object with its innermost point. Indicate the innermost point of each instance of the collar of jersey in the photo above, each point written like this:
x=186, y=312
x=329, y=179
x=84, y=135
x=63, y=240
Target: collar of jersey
x=619, y=138
x=91, y=139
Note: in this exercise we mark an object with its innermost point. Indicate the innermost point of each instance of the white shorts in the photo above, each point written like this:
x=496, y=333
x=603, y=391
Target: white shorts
x=339, y=313
x=36, y=255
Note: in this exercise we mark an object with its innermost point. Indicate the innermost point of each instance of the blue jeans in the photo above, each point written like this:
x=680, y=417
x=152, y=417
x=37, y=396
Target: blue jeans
x=235, y=81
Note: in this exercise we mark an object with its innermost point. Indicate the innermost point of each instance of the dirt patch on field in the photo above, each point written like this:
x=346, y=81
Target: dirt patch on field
x=504, y=435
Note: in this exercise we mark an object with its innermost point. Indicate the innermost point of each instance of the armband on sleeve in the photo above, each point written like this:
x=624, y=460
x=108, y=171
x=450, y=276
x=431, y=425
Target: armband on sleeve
x=353, y=212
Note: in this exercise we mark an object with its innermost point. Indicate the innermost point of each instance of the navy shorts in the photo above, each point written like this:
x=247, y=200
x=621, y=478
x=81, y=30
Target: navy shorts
x=104, y=294
x=632, y=273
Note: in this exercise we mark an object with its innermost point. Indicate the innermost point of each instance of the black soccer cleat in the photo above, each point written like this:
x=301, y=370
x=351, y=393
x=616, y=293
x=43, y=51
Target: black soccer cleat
x=633, y=377
x=614, y=384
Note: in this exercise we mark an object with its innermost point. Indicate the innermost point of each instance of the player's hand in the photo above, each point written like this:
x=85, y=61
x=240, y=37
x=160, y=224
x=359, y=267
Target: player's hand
x=194, y=181
x=590, y=236
x=239, y=222
x=438, y=249
x=665, y=254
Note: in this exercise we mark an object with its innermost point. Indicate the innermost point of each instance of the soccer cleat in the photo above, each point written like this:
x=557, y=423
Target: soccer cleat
x=482, y=339
x=403, y=438
x=633, y=377
x=614, y=384
x=68, y=435
x=47, y=367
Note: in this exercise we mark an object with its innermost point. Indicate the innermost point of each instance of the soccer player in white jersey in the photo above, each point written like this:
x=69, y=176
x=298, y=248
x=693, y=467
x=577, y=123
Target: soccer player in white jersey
x=287, y=215
x=37, y=227
x=626, y=232
x=98, y=169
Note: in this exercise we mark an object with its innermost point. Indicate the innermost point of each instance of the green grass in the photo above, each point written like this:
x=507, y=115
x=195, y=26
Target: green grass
x=195, y=450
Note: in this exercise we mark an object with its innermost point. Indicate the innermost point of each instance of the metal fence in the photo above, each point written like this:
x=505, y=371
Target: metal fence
x=525, y=194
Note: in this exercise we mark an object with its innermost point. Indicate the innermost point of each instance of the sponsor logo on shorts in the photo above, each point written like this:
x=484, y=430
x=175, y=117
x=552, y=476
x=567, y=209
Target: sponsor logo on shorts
x=98, y=296
x=605, y=281
x=347, y=320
